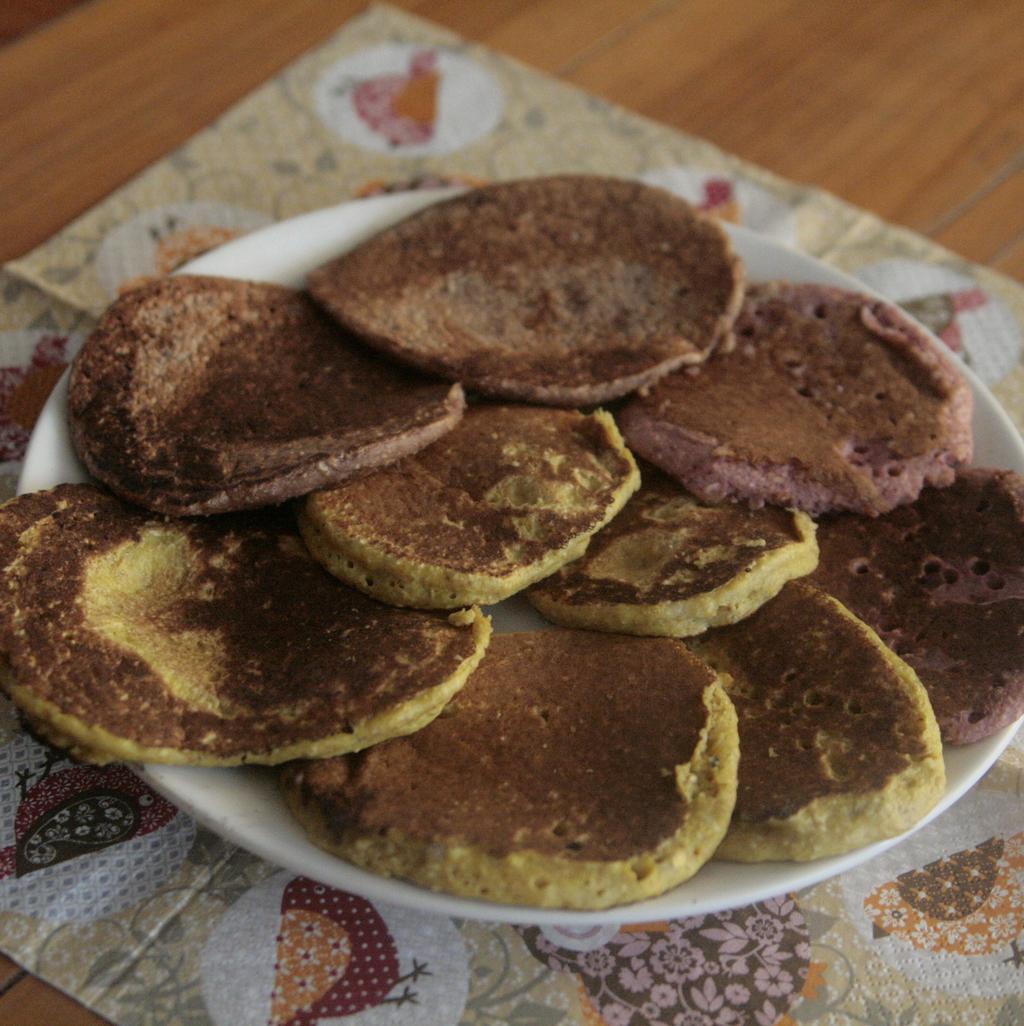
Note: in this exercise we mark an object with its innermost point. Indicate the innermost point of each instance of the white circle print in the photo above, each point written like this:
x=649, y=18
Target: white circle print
x=731, y=198
x=158, y=240
x=409, y=100
x=970, y=320
x=291, y=952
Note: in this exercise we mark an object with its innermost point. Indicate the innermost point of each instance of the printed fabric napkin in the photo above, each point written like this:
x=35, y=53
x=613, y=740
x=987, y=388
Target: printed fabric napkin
x=160, y=921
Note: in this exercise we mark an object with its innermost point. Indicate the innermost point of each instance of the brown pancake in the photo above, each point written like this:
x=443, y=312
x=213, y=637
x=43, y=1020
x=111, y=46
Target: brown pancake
x=510, y=495
x=830, y=400
x=199, y=395
x=212, y=642
x=668, y=565
x=839, y=744
x=942, y=581
x=565, y=291
x=546, y=780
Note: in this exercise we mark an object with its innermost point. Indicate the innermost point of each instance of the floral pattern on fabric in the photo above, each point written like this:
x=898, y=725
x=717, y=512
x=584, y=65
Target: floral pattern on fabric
x=730, y=969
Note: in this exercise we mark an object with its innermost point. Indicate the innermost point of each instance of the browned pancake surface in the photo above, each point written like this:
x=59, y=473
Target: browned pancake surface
x=651, y=554
x=830, y=400
x=545, y=750
x=507, y=486
x=942, y=581
x=820, y=712
x=565, y=290
x=199, y=395
x=221, y=638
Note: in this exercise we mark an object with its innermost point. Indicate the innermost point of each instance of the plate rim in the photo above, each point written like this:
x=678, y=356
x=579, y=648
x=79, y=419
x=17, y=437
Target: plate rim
x=297, y=245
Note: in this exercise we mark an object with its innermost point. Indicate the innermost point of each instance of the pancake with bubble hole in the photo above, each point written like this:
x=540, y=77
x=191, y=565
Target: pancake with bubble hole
x=200, y=395
x=574, y=770
x=831, y=400
x=212, y=642
x=566, y=291
x=942, y=581
x=840, y=745
x=509, y=496
x=670, y=565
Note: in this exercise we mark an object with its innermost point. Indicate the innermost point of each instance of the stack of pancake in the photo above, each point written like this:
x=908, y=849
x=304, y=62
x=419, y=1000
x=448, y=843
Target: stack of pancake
x=181, y=613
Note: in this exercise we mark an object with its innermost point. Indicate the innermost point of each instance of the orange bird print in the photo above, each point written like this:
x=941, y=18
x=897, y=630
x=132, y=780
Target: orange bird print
x=402, y=108
x=967, y=903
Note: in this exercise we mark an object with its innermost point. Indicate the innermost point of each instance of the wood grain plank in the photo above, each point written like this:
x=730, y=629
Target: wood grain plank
x=990, y=225
x=16, y=19
x=904, y=108
x=9, y=972
x=30, y=1002
x=1011, y=260
x=106, y=104
x=546, y=34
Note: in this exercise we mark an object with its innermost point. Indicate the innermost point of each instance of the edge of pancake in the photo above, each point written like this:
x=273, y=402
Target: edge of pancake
x=762, y=580
x=297, y=480
x=403, y=582
x=717, y=468
x=834, y=824
x=45, y=732
x=973, y=671
x=707, y=781
x=116, y=442
x=96, y=744
x=341, y=299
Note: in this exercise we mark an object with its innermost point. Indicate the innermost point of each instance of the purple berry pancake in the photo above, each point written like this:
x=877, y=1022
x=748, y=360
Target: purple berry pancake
x=830, y=400
x=942, y=581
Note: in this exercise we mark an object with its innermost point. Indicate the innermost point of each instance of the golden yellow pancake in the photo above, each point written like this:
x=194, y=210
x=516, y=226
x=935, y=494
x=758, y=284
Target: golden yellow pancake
x=511, y=494
x=840, y=747
x=217, y=642
x=553, y=779
x=669, y=565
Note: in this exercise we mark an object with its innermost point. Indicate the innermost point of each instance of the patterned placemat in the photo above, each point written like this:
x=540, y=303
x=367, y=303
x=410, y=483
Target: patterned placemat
x=113, y=895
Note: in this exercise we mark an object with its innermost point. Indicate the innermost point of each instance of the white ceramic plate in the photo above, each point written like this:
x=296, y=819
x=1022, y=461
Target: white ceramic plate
x=244, y=805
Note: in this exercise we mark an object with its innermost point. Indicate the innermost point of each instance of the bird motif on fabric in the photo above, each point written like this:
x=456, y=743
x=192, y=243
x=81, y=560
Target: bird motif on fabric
x=720, y=199
x=402, y=108
x=25, y=388
x=76, y=812
x=967, y=903
x=940, y=313
x=335, y=957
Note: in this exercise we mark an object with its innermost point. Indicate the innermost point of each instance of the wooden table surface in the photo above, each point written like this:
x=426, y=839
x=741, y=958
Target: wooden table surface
x=914, y=110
